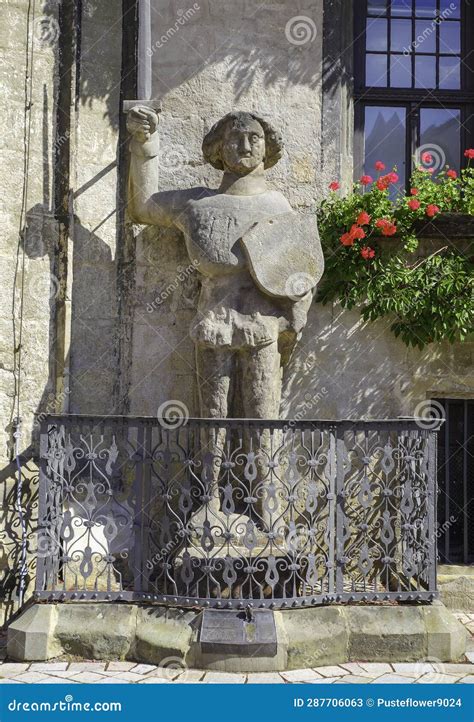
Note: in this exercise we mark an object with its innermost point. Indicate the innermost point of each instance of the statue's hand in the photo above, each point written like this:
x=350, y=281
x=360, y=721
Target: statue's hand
x=142, y=122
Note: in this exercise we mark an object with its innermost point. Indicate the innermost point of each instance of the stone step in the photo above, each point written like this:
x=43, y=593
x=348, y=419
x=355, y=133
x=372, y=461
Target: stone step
x=455, y=570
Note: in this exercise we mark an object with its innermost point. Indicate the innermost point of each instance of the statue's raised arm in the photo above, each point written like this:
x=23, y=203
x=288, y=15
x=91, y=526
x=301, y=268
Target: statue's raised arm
x=145, y=204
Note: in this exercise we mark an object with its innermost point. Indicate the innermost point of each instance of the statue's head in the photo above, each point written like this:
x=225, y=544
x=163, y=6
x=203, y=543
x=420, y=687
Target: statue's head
x=241, y=142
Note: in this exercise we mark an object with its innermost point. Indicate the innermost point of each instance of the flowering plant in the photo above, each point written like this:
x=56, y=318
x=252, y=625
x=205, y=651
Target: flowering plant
x=433, y=299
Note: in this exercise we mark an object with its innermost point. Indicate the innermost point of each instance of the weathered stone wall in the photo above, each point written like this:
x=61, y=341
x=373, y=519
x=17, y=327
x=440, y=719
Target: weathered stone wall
x=95, y=228
x=30, y=238
x=27, y=283
x=345, y=368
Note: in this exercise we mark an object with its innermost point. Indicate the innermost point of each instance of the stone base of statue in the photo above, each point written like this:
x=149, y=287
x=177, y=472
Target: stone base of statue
x=219, y=640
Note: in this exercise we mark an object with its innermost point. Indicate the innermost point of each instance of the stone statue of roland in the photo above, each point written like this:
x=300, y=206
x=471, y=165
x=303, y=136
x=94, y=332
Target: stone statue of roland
x=258, y=260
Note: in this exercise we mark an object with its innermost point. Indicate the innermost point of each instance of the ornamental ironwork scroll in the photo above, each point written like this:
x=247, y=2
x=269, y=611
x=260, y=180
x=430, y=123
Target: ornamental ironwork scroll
x=230, y=513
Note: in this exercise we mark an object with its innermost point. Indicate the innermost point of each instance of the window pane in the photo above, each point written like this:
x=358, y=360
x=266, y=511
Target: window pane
x=450, y=8
x=385, y=140
x=400, y=71
x=376, y=71
x=425, y=71
x=440, y=134
x=425, y=8
x=401, y=35
x=402, y=7
x=450, y=38
x=449, y=73
x=425, y=36
x=377, y=7
x=376, y=34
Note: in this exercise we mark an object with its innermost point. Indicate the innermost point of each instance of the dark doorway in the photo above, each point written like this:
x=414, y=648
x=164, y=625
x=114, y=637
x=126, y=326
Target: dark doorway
x=456, y=482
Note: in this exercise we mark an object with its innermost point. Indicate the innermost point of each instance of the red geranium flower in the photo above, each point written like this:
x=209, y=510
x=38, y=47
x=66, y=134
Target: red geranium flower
x=363, y=219
x=414, y=191
x=427, y=158
x=414, y=204
x=357, y=232
x=379, y=165
x=452, y=174
x=387, y=227
x=432, y=210
x=366, y=180
x=469, y=153
x=334, y=186
x=347, y=239
x=385, y=180
x=367, y=252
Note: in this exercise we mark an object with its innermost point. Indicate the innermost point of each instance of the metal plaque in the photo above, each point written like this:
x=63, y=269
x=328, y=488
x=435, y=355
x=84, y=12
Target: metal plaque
x=234, y=632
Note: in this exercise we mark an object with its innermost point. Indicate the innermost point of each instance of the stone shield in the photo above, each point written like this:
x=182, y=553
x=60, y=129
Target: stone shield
x=285, y=255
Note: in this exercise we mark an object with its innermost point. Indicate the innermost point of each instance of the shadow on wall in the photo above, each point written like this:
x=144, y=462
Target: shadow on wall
x=347, y=368
x=253, y=40
x=272, y=43
x=97, y=80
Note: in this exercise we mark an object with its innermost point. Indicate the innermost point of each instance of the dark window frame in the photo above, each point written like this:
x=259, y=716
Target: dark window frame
x=413, y=99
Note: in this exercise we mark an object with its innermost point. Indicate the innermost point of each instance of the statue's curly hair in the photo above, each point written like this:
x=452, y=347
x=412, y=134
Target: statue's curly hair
x=212, y=143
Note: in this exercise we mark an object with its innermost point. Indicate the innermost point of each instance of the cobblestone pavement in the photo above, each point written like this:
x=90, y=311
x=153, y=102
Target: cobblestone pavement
x=422, y=672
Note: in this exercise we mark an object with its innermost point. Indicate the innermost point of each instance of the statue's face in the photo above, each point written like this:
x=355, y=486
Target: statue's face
x=243, y=146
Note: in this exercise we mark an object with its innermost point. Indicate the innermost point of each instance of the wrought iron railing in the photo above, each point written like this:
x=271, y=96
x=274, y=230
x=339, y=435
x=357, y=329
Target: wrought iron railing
x=235, y=512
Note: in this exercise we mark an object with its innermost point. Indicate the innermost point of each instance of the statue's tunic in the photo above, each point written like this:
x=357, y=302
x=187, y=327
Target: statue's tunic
x=232, y=311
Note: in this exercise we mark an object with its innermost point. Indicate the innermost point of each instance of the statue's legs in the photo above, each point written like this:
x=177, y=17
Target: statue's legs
x=261, y=381
x=261, y=394
x=215, y=376
x=259, y=370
